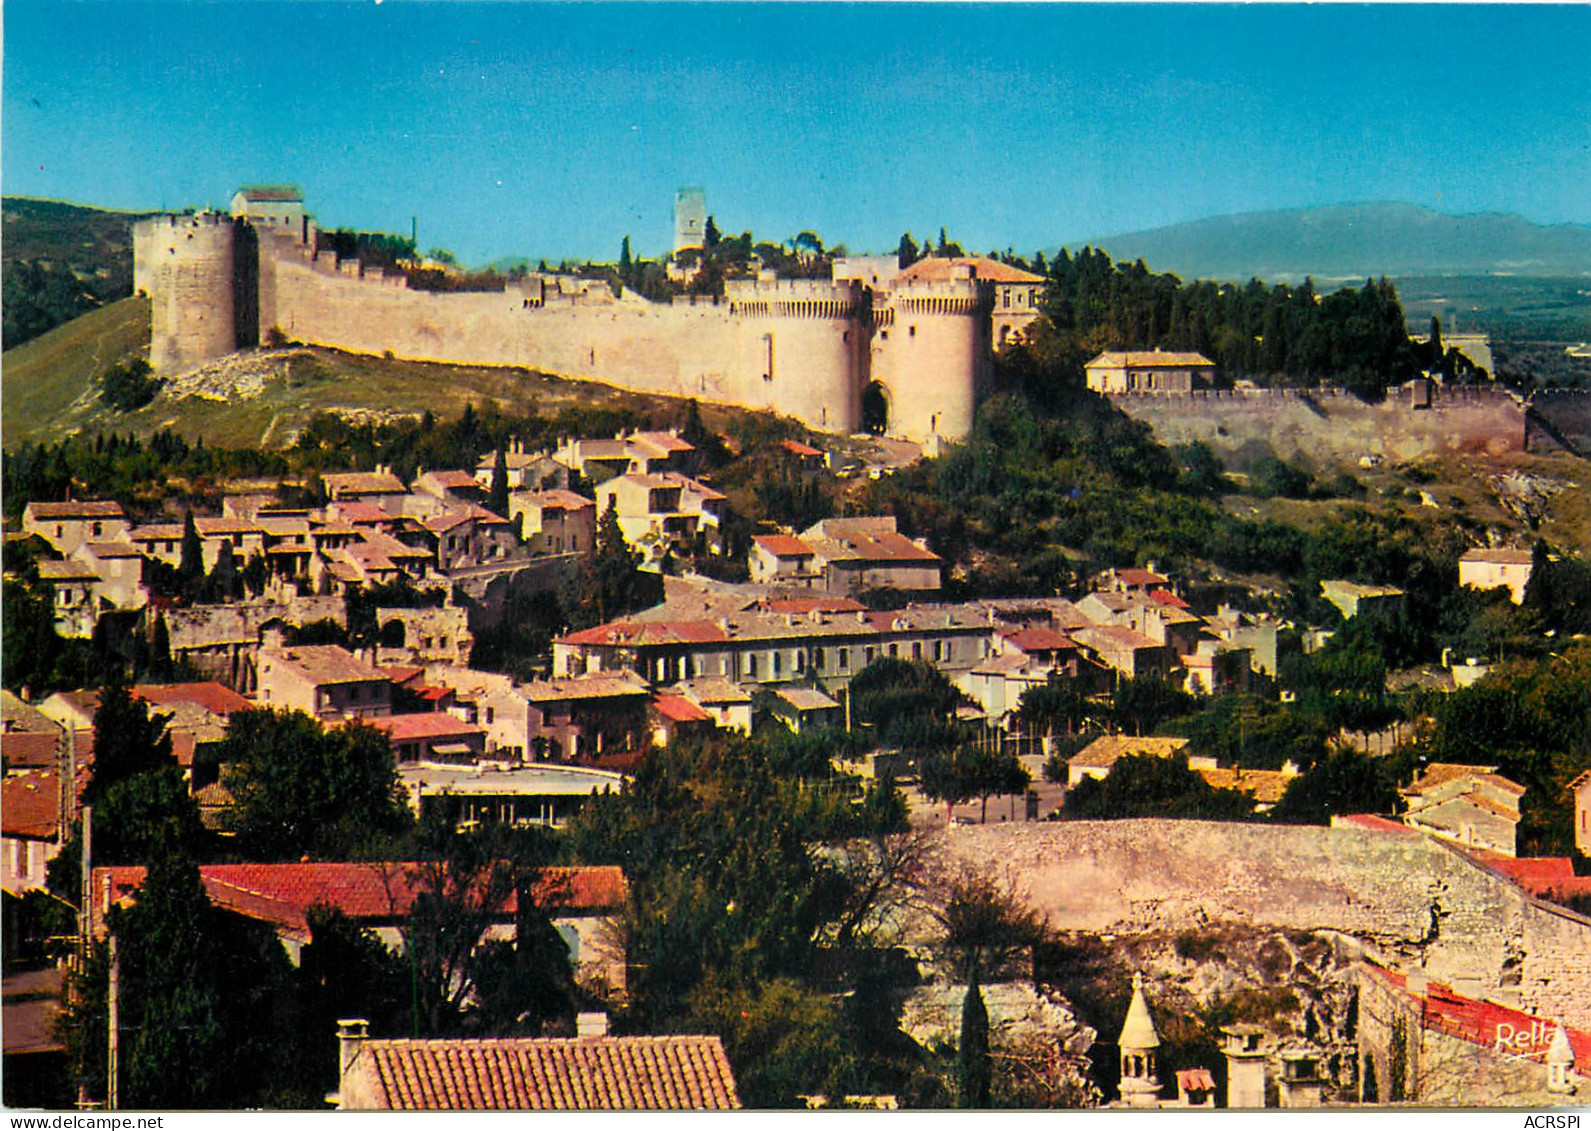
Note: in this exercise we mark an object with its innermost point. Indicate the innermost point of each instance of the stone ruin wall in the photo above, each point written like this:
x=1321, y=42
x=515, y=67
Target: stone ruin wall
x=1324, y=425
x=1408, y=899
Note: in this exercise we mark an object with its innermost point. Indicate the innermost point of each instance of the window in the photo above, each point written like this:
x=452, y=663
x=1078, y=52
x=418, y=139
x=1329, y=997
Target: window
x=845, y=659
x=939, y=649
x=777, y=662
x=491, y=715
x=867, y=655
x=894, y=651
x=917, y=649
x=751, y=665
x=911, y=331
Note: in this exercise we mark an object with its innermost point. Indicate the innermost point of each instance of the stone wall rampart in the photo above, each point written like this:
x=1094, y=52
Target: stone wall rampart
x=1412, y=899
x=1328, y=423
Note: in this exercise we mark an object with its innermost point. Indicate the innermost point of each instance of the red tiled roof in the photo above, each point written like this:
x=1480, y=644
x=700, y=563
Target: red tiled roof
x=1142, y=577
x=874, y=546
x=688, y=1073
x=1195, y=1080
x=783, y=545
x=452, y=479
x=936, y=268
x=1038, y=639
x=1440, y=773
x=680, y=709
x=23, y=748
x=557, y=498
x=1374, y=824
x=351, y=510
x=635, y=633
x=363, y=483
x=1498, y=557
x=1510, y=1031
x=798, y=448
x=282, y=894
x=425, y=724
x=214, y=697
x=401, y=674
x=30, y=805
x=1167, y=597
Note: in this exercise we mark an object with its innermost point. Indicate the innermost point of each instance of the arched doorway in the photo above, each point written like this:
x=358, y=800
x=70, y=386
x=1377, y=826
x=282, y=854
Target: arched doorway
x=875, y=409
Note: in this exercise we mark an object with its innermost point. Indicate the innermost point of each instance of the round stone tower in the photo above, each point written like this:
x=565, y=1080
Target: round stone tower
x=931, y=355
x=185, y=264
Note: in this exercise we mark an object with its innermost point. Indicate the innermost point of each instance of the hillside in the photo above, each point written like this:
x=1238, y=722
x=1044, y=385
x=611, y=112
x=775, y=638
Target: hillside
x=1355, y=241
x=60, y=261
x=47, y=383
x=263, y=398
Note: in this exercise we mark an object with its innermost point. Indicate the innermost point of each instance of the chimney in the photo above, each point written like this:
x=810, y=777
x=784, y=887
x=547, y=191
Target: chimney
x=1245, y=1066
x=351, y=1036
x=593, y=1024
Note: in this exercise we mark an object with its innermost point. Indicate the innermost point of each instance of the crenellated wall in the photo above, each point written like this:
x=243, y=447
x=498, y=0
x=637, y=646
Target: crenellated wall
x=805, y=348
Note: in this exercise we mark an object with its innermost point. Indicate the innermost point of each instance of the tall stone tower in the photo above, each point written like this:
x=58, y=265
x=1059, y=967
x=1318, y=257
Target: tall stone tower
x=185, y=264
x=1140, y=1087
x=690, y=218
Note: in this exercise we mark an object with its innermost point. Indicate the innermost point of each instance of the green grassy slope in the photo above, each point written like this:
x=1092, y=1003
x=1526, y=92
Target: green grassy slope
x=47, y=384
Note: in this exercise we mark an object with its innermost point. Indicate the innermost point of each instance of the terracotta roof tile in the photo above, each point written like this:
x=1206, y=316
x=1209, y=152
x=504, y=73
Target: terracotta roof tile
x=783, y=545
x=938, y=268
x=682, y=1073
x=214, y=697
x=680, y=709
x=30, y=805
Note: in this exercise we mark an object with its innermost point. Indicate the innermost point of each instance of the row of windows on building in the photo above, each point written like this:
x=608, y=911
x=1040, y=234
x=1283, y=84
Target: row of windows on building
x=825, y=661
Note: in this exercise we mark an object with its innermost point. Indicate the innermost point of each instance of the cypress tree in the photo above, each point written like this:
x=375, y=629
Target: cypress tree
x=972, y=1063
x=498, y=502
x=190, y=567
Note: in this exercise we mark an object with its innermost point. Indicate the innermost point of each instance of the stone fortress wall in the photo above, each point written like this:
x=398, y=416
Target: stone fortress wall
x=1332, y=424
x=804, y=348
x=1410, y=900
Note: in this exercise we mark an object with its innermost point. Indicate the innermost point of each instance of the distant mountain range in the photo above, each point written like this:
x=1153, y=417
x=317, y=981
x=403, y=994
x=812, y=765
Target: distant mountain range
x=1350, y=241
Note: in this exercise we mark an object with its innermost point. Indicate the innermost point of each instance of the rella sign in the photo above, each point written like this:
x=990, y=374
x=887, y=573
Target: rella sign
x=1522, y=1039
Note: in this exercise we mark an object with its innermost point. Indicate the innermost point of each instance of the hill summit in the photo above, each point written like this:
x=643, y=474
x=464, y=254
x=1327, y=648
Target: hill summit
x=1355, y=241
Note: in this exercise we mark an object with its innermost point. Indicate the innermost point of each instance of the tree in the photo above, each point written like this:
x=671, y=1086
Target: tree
x=190, y=567
x=462, y=884
x=128, y=740
x=497, y=503
x=206, y=1003
x=906, y=254
x=972, y=1055
x=972, y=770
x=1344, y=781
x=711, y=235
x=129, y=385
x=299, y=789
x=1142, y=785
x=610, y=581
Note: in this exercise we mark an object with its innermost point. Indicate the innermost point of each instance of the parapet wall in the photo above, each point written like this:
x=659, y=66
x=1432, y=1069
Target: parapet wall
x=1409, y=898
x=1333, y=425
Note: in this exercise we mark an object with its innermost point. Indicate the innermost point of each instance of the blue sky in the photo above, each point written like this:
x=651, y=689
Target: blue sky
x=554, y=130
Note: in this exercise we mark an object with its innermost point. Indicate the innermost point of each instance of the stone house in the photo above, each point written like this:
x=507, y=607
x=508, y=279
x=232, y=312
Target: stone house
x=527, y=471
x=1471, y=805
x=30, y=828
x=555, y=521
x=449, y=486
x=120, y=569
x=783, y=559
x=674, y=717
x=854, y=555
x=426, y=635
x=752, y=646
x=805, y=708
x=1488, y=569
x=726, y=702
x=72, y=586
x=431, y=736
x=66, y=526
x=534, y=794
x=379, y=487
x=1149, y=371
x=323, y=680
x=1131, y=653
x=664, y=513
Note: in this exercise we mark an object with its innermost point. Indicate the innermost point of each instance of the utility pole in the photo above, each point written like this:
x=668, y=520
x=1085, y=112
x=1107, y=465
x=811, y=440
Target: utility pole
x=113, y=1053
x=83, y=926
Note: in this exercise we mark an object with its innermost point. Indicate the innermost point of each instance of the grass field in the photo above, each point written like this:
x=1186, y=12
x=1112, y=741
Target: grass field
x=47, y=384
